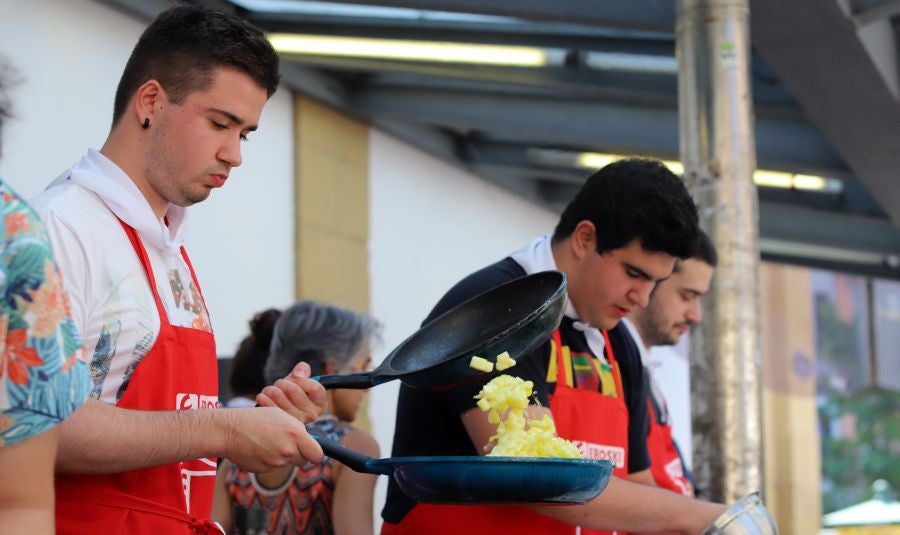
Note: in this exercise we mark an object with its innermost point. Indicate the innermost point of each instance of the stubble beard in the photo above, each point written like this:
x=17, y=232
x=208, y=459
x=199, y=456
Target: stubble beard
x=168, y=181
x=655, y=331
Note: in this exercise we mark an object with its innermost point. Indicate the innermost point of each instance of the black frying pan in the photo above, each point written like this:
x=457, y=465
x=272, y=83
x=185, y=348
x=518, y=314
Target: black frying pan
x=513, y=317
x=483, y=480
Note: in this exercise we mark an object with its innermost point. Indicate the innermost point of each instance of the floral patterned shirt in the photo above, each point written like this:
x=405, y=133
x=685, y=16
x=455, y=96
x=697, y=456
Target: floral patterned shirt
x=43, y=374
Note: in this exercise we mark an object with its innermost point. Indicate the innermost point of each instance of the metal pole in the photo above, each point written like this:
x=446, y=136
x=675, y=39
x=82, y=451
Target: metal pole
x=718, y=152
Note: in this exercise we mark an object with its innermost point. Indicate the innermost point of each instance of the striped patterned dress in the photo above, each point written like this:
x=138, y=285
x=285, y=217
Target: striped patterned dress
x=302, y=504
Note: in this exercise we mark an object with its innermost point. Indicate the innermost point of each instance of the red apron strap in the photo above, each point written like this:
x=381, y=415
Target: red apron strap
x=191, y=268
x=110, y=498
x=148, y=269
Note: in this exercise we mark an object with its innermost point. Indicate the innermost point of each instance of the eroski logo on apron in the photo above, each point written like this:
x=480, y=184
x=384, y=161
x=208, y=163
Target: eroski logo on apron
x=185, y=401
x=601, y=452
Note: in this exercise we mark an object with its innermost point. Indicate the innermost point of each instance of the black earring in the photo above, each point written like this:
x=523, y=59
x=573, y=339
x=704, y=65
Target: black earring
x=146, y=124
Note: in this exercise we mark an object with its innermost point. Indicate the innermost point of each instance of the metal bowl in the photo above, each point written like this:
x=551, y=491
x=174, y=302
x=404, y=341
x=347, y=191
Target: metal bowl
x=747, y=516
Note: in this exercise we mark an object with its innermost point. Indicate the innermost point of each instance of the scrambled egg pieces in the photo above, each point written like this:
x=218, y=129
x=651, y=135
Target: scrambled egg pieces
x=505, y=399
x=482, y=365
x=504, y=361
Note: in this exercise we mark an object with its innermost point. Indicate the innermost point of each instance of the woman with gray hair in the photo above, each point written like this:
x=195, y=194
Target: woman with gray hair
x=318, y=498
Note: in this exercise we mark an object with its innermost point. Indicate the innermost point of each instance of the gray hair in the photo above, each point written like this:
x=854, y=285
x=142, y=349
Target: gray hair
x=318, y=333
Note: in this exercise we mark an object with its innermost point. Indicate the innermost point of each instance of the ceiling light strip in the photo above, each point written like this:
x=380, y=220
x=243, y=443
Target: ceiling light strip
x=395, y=49
x=761, y=177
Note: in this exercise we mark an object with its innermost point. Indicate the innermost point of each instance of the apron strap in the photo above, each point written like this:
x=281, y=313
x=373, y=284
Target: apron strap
x=611, y=357
x=120, y=500
x=148, y=269
x=191, y=268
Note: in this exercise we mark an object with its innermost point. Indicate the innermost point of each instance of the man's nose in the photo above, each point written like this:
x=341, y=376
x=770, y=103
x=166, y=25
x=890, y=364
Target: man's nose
x=640, y=293
x=695, y=312
x=230, y=152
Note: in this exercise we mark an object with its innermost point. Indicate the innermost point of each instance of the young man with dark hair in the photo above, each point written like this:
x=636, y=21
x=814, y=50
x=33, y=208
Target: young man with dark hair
x=615, y=241
x=136, y=458
x=673, y=309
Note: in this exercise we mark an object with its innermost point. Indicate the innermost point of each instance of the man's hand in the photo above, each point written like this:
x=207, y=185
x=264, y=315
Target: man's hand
x=260, y=439
x=297, y=394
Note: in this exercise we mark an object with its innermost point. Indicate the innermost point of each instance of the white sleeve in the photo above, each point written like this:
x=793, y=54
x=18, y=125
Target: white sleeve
x=71, y=257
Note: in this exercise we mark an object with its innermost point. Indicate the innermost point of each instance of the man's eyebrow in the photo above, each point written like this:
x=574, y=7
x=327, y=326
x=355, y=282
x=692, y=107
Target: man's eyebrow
x=233, y=118
x=641, y=273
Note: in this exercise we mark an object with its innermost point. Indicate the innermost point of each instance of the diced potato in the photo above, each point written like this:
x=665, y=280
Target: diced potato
x=505, y=399
x=504, y=361
x=482, y=365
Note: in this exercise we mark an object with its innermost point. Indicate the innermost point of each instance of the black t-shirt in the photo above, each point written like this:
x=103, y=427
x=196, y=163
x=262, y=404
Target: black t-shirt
x=428, y=423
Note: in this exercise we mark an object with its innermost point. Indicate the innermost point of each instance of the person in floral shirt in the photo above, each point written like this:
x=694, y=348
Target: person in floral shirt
x=43, y=374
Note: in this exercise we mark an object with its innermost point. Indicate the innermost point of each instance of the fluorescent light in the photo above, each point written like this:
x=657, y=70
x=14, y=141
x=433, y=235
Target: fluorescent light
x=761, y=177
x=675, y=167
x=809, y=182
x=618, y=61
x=773, y=179
x=822, y=252
x=361, y=47
x=594, y=160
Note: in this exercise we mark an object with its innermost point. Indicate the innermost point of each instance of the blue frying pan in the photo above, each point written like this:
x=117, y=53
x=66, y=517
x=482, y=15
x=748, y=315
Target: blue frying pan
x=514, y=317
x=483, y=480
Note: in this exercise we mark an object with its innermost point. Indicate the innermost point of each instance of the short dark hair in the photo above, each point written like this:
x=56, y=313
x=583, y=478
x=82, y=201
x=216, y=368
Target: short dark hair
x=635, y=198
x=185, y=44
x=706, y=250
x=249, y=362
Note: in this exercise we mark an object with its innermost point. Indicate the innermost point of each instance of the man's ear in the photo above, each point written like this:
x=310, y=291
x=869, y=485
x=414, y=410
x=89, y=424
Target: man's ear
x=584, y=239
x=148, y=99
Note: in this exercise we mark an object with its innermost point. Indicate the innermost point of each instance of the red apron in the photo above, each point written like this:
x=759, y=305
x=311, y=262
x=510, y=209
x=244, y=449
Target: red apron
x=666, y=466
x=576, y=412
x=179, y=372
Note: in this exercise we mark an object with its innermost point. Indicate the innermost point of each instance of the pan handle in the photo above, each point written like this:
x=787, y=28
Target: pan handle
x=353, y=459
x=350, y=380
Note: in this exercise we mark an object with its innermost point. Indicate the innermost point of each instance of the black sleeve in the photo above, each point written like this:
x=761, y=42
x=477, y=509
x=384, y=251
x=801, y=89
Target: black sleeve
x=629, y=360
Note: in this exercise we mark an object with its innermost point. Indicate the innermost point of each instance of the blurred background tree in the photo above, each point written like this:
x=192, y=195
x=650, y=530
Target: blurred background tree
x=860, y=443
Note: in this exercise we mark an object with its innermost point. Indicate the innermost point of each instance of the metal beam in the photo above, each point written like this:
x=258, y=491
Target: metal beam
x=802, y=225
x=841, y=91
x=549, y=81
x=321, y=86
x=607, y=126
x=867, y=11
x=645, y=15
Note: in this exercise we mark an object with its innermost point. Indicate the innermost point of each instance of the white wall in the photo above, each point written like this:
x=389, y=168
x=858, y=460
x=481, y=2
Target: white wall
x=69, y=55
x=431, y=225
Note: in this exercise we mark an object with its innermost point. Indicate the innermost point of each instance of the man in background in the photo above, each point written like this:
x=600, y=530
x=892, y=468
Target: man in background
x=673, y=309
